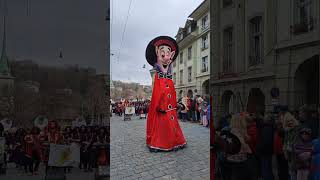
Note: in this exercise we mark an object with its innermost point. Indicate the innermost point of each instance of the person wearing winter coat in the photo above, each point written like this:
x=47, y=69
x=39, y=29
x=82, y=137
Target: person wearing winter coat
x=209, y=115
x=315, y=161
x=302, y=153
x=194, y=109
x=239, y=162
x=265, y=145
x=292, y=128
x=282, y=163
x=203, y=111
x=184, y=112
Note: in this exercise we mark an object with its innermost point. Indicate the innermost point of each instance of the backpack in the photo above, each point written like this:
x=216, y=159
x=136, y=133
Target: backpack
x=231, y=143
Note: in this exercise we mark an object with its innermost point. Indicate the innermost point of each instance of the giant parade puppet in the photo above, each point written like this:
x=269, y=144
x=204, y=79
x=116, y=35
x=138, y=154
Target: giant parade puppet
x=163, y=129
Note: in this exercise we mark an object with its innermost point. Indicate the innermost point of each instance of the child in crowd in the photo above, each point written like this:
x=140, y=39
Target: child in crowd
x=302, y=152
x=315, y=161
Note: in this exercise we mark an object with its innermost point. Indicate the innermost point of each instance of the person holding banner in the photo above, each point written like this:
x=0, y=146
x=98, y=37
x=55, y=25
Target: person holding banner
x=52, y=135
x=28, y=162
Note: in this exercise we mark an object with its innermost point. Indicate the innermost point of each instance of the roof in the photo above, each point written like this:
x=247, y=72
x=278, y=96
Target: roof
x=180, y=30
x=200, y=9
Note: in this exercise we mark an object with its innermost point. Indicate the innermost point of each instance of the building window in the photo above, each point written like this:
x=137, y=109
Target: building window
x=227, y=3
x=204, y=44
x=204, y=22
x=181, y=57
x=181, y=77
x=303, y=17
x=256, y=41
x=189, y=52
x=174, y=78
x=228, y=50
x=189, y=74
x=189, y=29
x=204, y=64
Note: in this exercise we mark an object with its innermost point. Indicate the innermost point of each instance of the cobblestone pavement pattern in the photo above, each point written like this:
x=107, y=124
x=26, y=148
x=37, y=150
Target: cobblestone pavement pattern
x=131, y=159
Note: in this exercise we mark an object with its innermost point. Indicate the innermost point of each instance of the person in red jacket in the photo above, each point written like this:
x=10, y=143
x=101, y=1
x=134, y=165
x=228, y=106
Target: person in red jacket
x=252, y=133
x=36, y=150
x=28, y=163
x=278, y=151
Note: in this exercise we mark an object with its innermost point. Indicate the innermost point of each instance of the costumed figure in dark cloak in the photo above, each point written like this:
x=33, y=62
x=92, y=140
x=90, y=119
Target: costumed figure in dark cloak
x=163, y=130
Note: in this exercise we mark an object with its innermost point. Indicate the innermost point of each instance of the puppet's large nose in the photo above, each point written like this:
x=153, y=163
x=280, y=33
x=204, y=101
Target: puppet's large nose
x=166, y=58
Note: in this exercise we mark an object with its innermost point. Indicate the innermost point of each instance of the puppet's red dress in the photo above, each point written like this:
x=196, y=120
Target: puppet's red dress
x=163, y=130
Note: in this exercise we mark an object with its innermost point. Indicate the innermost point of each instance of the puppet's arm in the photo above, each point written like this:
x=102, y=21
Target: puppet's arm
x=161, y=110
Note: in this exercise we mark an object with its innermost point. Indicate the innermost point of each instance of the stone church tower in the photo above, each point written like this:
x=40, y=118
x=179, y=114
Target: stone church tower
x=6, y=80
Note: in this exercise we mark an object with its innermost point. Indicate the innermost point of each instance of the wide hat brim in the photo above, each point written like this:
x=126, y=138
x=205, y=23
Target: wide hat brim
x=151, y=55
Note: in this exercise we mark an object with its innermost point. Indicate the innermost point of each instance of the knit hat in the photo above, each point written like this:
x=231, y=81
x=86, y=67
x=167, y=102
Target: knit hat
x=306, y=130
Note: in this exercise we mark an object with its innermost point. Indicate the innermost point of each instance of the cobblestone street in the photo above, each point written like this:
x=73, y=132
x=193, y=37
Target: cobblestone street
x=131, y=159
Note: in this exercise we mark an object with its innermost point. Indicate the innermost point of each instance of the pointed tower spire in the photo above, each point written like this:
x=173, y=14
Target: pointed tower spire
x=4, y=64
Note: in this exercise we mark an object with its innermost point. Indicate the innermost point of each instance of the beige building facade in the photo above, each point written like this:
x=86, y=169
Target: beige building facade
x=266, y=52
x=191, y=69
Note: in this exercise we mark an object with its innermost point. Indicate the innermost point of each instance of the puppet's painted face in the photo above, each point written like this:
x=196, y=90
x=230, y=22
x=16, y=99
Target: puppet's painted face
x=164, y=57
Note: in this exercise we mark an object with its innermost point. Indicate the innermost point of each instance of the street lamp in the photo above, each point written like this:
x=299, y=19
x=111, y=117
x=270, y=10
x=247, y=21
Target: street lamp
x=152, y=72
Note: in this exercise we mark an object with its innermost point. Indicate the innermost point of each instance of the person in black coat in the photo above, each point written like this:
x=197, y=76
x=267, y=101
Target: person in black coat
x=265, y=135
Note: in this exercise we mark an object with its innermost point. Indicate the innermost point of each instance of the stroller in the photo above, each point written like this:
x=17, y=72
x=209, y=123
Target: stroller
x=142, y=114
x=129, y=111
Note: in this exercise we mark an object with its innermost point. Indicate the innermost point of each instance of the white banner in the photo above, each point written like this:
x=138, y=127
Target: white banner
x=2, y=148
x=78, y=123
x=64, y=155
x=130, y=110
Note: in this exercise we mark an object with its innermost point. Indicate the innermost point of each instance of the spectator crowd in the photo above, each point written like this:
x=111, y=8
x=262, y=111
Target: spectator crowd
x=281, y=144
x=28, y=148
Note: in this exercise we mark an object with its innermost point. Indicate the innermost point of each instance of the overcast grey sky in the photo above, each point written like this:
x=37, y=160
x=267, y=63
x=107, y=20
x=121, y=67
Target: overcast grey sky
x=77, y=27
x=148, y=19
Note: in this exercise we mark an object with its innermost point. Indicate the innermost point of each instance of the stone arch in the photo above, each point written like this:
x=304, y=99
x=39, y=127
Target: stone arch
x=205, y=88
x=306, y=82
x=229, y=102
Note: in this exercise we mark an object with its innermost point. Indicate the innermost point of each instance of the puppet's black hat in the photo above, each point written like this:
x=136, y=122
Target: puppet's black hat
x=151, y=55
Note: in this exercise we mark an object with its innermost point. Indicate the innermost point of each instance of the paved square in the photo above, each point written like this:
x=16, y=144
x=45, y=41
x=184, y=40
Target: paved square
x=131, y=159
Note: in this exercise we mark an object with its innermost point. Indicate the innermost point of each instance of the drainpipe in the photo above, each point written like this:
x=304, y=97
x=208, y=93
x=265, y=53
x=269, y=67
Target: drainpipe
x=289, y=90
